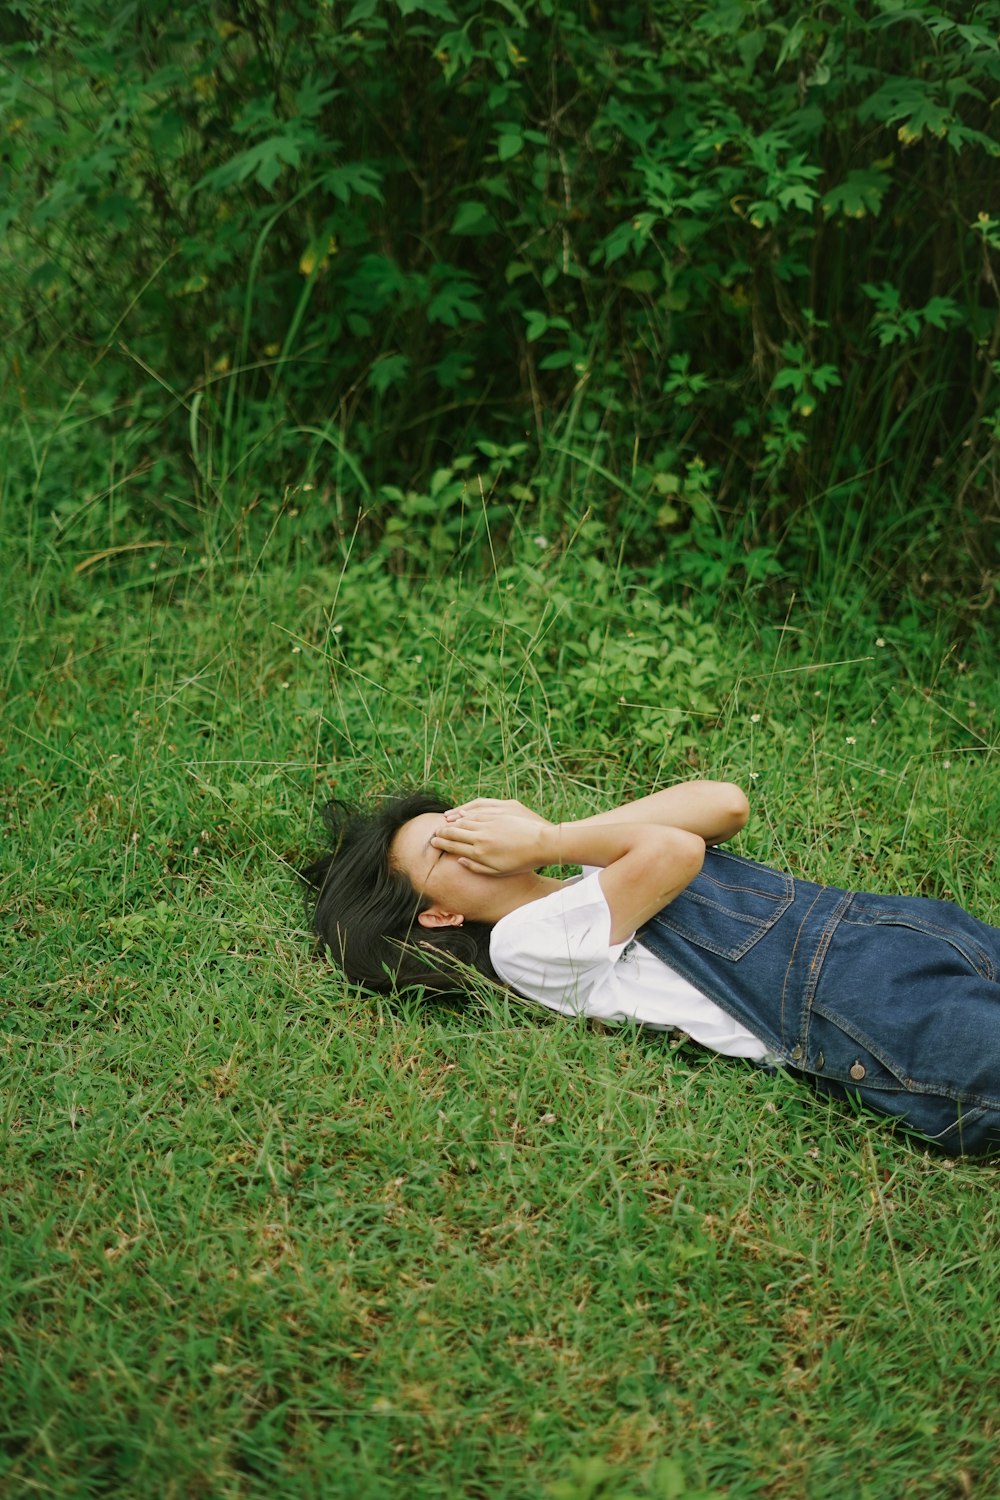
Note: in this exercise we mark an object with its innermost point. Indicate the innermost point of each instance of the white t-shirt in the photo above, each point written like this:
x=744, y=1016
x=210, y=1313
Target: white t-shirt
x=558, y=951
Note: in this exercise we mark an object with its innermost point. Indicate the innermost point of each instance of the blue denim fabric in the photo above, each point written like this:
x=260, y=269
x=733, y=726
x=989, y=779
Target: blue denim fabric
x=893, y=1000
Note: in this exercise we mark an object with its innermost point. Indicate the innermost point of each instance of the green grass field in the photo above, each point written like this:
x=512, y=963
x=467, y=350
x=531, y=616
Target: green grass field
x=264, y=1235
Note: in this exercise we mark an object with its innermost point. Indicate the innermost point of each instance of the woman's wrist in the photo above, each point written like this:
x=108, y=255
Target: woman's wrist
x=592, y=843
x=714, y=810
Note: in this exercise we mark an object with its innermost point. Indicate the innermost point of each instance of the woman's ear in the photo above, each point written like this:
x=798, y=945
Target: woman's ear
x=435, y=917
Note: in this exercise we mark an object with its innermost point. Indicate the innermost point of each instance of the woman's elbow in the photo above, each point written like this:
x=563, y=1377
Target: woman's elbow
x=729, y=813
x=737, y=805
x=688, y=854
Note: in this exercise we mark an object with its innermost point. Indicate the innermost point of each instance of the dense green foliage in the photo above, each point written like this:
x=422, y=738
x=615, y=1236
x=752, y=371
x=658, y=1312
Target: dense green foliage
x=723, y=271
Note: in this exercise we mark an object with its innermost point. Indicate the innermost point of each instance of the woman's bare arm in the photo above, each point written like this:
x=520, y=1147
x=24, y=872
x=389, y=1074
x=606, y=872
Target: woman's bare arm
x=643, y=865
x=714, y=810
x=649, y=865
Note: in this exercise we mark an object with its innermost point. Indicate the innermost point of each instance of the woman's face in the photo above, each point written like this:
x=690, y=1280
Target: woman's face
x=453, y=891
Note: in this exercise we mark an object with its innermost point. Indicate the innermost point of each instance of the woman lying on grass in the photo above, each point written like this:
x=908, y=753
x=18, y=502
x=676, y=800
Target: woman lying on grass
x=894, y=1000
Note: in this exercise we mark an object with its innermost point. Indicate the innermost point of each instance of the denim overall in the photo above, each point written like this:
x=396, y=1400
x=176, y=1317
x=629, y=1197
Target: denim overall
x=893, y=1000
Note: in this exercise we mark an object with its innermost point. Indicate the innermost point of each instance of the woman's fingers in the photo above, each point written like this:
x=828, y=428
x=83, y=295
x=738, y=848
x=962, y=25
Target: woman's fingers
x=489, y=807
x=478, y=804
x=445, y=838
x=467, y=843
x=497, y=845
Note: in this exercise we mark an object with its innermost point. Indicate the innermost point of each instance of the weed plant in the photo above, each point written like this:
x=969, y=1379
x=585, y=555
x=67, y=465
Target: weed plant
x=265, y=1235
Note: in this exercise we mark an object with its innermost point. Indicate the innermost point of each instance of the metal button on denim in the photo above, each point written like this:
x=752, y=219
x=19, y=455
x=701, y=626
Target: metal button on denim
x=820, y=1059
x=797, y=1054
x=857, y=1070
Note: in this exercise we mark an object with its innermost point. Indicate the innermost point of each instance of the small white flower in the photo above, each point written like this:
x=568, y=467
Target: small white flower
x=418, y=658
x=851, y=739
x=755, y=718
x=337, y=629
x=296, y=650
x=541, y=541
x=873, y=720
x=880, y=642
x=754, y=775
x=283, y=684
x=946, y=764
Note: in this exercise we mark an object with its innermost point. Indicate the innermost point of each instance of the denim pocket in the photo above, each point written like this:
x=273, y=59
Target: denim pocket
x=729, y=906
x=933, y=919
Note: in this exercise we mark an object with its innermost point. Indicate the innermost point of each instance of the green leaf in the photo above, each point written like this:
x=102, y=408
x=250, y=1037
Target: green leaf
x=515, y=12
x=115, y=209
x=789, y=379
x=623, y=238
x=509, y=146
x=353, y=179
x=910, y=104
x=537, y=324
x=641, y=281
x=311, y=96
x=941, y=312
x=453, y=371
x=886, y=297
x=557, y=360
x=978, y=38
x=824, y=377
x=473, y=218
x=930, y=117
x=762, y=212
x=436, y=8
x=792, y=43
x=265, y=162
x=797, y=195
x=454, y=302
x=388, y=371
x=859, y=194
x=749, y=46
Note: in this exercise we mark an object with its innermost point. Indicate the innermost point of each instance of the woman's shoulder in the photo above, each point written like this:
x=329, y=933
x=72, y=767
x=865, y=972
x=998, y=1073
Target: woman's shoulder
x=570, y=925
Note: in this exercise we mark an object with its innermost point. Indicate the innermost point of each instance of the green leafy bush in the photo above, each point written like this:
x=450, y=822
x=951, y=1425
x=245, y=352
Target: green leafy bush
x=642, y=236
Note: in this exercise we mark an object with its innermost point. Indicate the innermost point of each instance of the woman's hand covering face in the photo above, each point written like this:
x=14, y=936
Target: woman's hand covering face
x=490, y=807
x=497, y=842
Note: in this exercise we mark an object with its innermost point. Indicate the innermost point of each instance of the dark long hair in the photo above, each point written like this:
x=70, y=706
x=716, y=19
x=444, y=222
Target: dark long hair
x=365, y=912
